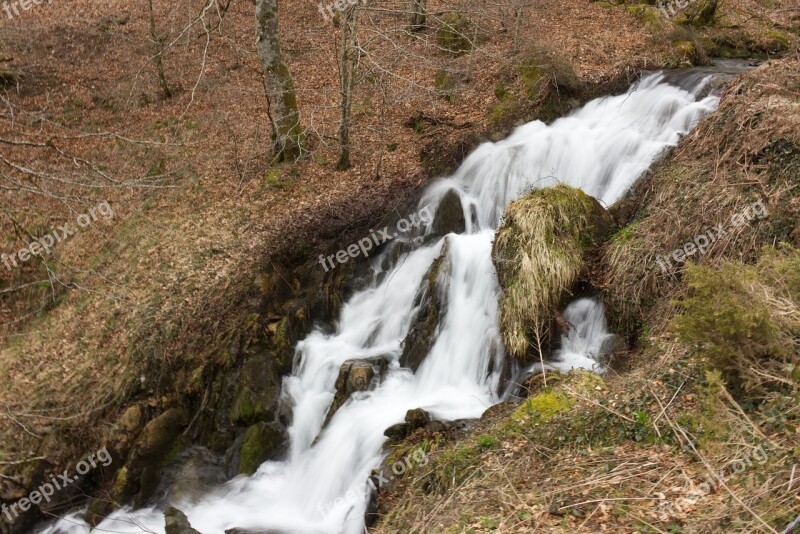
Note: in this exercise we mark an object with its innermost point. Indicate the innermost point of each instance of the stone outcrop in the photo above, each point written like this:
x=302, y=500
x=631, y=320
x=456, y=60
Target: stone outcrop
x=176, y=522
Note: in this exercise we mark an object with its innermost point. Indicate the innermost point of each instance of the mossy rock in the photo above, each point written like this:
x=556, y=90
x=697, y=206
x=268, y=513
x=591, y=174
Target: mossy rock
x=446, y=85
x=456, y=33
x=100, y=508
x=261, y=443
x=421, y=335
x=257, y=392
x=651, y=16
x=687, y=50
x=776, y=41
x=544, y=406
x=156, y=445
x=540, y=66
x=538, y=254
x=159, y=435
x=699, y=13
x=540, y=84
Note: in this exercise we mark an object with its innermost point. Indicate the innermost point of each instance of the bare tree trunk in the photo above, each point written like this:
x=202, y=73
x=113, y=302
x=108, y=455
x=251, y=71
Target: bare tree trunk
x=349, y=62
x=418, y=16
x=285, y=118
x=158, y=55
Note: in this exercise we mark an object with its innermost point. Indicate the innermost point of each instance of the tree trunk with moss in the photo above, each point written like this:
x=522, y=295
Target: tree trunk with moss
x=282, y=99
x=349, y=56
x=158, y=52
x=418, y=16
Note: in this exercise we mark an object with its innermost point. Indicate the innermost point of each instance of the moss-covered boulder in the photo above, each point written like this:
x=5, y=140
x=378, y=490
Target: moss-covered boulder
x=446, y=85
x=699, y=13
x=257, y=392
x=158, y=442
x=262, y=442
x=456, y=33
x=544, y=406
x=539, y=255
x=539, y=84
x=652, y=17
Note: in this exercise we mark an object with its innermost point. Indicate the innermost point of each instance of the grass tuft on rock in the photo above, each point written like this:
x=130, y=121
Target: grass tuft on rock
x=539, y=256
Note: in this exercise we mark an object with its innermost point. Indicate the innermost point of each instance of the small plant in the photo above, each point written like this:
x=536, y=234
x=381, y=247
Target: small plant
x=486, y=442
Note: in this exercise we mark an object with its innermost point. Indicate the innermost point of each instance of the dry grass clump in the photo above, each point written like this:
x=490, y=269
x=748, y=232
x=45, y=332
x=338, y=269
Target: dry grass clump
x=746, y=152
x=539, y=255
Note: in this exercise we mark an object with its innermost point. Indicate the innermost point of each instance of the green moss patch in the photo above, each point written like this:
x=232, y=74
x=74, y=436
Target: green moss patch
x=260, y=442
x=742, y=318
x=456, y=33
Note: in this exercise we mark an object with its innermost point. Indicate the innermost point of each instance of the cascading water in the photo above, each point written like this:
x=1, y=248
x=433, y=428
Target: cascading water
x=603, y=149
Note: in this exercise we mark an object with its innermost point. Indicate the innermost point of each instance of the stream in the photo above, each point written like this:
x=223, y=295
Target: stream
x=603, y=149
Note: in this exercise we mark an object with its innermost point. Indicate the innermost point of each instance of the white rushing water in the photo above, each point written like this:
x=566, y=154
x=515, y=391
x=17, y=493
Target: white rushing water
x=603, y=149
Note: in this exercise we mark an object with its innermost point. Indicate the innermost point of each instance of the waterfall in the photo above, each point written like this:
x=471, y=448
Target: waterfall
x=603, y=149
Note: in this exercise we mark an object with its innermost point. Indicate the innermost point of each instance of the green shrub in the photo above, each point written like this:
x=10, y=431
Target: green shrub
x=744, y=319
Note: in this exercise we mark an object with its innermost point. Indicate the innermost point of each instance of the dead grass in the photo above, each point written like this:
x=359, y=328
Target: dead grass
x=748, y=151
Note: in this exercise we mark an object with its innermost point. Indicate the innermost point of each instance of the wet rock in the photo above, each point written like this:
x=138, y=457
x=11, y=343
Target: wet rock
x=176, y=522
x=262, y=442
x=415, y=419
x=611, y=346
x=257, y=392
x=371, y=515
x=422, y=334
x=449, y=216
x=397, y=432
x=354, y=376
x=194, y=473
